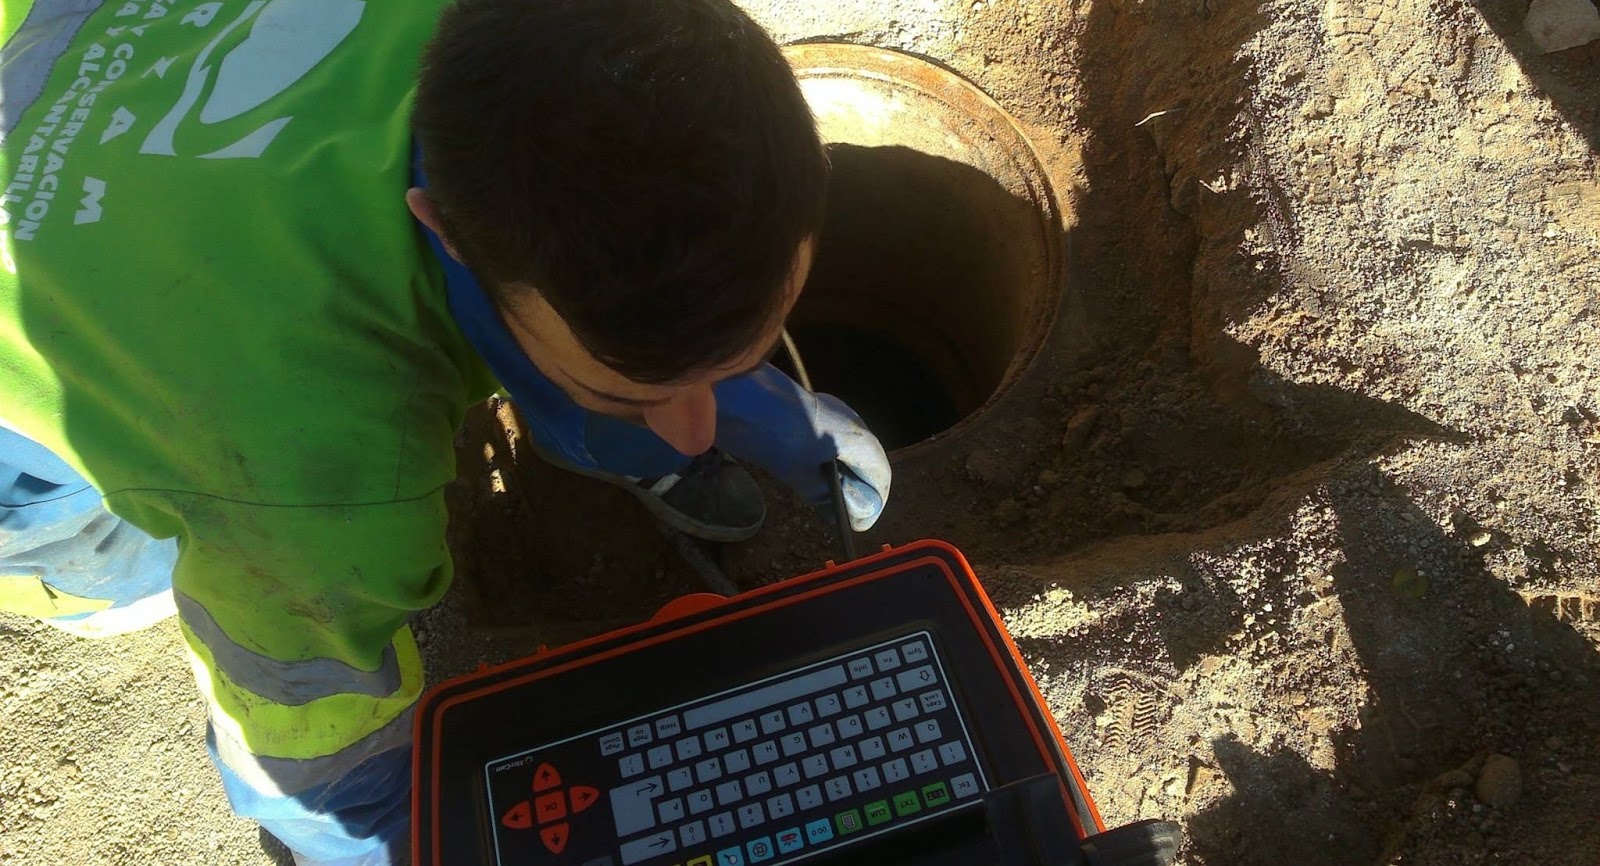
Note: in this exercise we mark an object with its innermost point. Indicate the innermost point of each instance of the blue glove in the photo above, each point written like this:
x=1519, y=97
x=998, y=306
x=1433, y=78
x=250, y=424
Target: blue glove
x=766, y=418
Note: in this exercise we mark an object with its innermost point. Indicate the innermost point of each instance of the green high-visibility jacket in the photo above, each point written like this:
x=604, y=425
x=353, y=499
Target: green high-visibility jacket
x=215, y=305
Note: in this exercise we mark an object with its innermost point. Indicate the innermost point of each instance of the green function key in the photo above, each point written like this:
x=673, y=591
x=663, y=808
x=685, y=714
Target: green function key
x=935, y=795
x=878, y=813
x=907, y=804
x=848, y=822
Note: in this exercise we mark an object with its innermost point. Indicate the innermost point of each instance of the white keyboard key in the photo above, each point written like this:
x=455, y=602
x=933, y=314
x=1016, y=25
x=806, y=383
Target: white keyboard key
x=927, y=731
x=800, y=714
x=838, y=788
x=653, y=845
x=611, y=744
x=828, y=705
x=692, y=834
x=679, y=779
x=689, y=748
x=964, y=785
x=900, y=739
x=809, y=797
x=916, y=651
x=924, y=762
x=850, y=727
x=786, y=775
x=896, y=771
x=888, y=659
x=952, y=753
x=633, y=805
x=866, y=779
x=631, y=766
x=793, y=744
x=872, y=749
x=708, y=770
x=758, y=784
x=843, y=757
x=668, y=727
x=660, y=756
x=933, y=702
x=716, y=740
x=701, y=801
x=639, y=735
x=736, y=762
x=745, y=731
x=861, y=668
x=822, y=735
x=729, y=793
x=765, y=753
x=815, y=766
x=906, y=709
x=750, y=815
x=856, y=696
x=671, y=811
x=916, y=678
x=781, y=806
x=883, y=689
x=878, y=718
x=722, y=824
x=772, y=722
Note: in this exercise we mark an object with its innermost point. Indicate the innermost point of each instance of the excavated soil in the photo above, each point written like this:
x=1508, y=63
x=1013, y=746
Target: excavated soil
x=1294, y=514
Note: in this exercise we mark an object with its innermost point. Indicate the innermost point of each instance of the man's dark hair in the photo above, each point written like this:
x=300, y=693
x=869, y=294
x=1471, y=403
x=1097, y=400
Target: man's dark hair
x=649, y=167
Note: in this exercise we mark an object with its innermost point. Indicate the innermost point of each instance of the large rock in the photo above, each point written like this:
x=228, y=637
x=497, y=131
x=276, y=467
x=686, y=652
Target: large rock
x=1557, y=25
x=1499, y=782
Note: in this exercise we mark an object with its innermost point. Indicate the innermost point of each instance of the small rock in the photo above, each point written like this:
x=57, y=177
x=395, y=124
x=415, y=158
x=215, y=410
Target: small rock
x=990, y=468
x=1455, y=780
x=1080, y=428
x=1133, y=479
x=1499, y=782
x=1008, y=513
x=1557, y=25
x=1048, y=479
x=1481, y=538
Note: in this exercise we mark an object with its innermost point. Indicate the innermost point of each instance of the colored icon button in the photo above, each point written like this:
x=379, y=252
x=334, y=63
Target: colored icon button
x=761, y=850
x=935, y=795
x=819, y=831
x=878, y=813
x=791, y=840
x=907, y=804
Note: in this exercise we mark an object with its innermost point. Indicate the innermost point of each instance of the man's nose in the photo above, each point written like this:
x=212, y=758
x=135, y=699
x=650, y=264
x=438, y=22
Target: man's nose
x=688, y=422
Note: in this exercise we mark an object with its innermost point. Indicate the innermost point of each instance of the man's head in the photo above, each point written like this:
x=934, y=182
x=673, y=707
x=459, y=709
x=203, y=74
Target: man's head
x=636, y=182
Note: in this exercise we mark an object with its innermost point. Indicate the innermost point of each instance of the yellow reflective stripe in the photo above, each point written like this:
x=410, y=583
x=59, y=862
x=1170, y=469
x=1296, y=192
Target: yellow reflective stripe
x=28, y=596
x=314, y=729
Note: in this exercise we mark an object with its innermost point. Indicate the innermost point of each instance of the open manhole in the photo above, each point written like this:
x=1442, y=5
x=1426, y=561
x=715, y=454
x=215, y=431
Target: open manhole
x=940, y=263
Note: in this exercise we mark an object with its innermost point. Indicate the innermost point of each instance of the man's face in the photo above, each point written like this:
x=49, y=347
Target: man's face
x=684, y=414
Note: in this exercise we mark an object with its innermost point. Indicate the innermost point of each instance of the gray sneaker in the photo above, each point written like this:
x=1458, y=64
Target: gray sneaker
x=713, y=498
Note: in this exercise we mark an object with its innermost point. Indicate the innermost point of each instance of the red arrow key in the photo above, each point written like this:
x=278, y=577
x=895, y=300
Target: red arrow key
x=519, y=817
x=555, y=838
x=545, y=778
x=583, y=797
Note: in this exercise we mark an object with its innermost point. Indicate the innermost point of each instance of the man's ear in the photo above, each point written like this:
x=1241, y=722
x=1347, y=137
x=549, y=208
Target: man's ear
x=426, y=212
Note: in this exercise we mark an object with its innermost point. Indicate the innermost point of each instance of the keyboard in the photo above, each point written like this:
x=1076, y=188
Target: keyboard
x=770, y=772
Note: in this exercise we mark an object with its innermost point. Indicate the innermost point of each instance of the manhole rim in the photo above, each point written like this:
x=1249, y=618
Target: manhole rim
x=822, y=59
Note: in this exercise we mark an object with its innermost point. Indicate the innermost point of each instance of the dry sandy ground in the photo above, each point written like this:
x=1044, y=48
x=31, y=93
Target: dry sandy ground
x=1295, y=515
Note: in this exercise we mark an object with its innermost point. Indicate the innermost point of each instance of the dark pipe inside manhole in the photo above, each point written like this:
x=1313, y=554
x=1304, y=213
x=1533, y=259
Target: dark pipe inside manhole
x=923, y=291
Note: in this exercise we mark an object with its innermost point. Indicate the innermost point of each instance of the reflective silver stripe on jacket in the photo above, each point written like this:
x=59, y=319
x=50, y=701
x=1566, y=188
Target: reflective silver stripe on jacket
x=292, y=684
x=280, y=777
